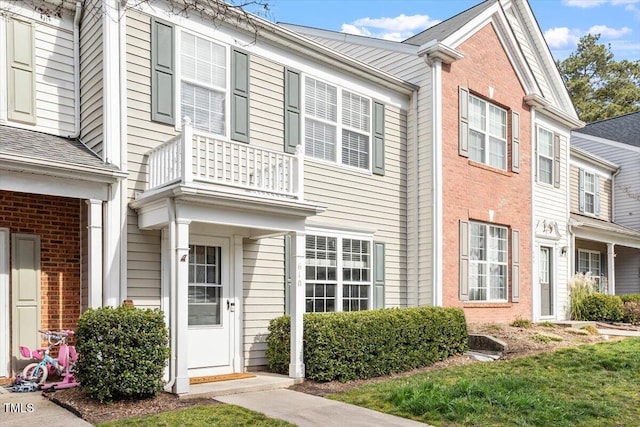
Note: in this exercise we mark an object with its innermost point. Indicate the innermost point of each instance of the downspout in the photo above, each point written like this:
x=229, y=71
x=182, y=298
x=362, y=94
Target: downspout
x=416, y=198
x=613, y=195
x=436, y=129
x=534, y=263
x=122, y=40
x=76, y=71
x=173, y=294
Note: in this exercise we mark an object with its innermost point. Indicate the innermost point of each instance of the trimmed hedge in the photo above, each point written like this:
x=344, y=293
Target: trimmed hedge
x=365, y=344
x=602, y=307
x=630, y=298
x=122, y=352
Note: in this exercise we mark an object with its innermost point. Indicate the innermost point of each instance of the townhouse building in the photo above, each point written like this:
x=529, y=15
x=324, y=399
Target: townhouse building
x=228, y=170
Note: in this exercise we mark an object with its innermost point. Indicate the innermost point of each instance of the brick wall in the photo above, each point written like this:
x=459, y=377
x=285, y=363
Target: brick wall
x=472, y=190
x=57, y=221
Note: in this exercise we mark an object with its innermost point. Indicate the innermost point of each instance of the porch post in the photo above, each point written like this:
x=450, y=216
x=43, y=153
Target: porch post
x=296, y=365
x=611, y=268
x=182, y=304
x=94, y=245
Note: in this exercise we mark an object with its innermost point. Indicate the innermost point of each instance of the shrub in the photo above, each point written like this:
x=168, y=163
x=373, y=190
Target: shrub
x=631, y=312
x=357, y=345
x=122, y=352
x=521, y=323
x=630, y=298
x=602, y=307
x=581, y=286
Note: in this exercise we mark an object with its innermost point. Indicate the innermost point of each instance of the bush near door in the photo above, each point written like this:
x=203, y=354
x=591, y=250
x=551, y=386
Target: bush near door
x=122, y=352
x=365, y=344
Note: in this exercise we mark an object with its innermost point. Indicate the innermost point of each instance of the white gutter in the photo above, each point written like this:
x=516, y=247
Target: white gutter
x=76, y=70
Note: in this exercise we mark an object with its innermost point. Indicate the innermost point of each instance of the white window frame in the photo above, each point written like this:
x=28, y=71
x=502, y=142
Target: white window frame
x=180, y=78
x=592, y=175
x=340, y=282
x=488, y=263
x=338, y=125
x=544, y=156
x=589, y=254
x=487, y=134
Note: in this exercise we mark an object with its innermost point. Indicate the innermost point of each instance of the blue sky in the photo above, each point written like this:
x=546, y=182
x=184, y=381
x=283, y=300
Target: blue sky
x=563, y=22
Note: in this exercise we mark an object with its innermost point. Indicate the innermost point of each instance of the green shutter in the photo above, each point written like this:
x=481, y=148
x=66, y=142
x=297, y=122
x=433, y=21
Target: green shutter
x=464, y=261
x=291, y=110
x=287, y=274
x=240, y=96
x=162, y=72
x=21, y=70
x=581, y=190
x=515, y=142
x=463, y=111
x=556, y=161
x=378, y=275
x=378, y=138
x=515, y=266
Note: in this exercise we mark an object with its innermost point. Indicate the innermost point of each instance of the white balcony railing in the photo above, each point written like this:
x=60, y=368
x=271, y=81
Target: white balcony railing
x=235, y=165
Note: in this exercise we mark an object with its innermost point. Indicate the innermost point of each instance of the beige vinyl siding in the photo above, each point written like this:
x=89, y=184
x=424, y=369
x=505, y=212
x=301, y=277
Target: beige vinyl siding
x=263, y=295
x=627, y=182
x=143, y=247
x=54, y=77
x=91, y=80
x=370, y=202
x=419, y=169
x=266, y=105
x=605, y=194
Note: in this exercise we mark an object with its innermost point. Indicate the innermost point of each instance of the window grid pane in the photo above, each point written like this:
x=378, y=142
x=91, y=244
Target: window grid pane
x=355, y=149
x=487, y=133
x=488, y=262
x=321, y=255
x=205, y=285
x=320, y=140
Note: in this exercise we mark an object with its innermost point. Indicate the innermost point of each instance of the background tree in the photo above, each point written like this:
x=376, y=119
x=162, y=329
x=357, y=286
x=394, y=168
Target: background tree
x=599, y=86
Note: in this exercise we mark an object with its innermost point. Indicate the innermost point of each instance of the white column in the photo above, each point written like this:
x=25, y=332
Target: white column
x=94, y=261
x=181, y=269
x=296, y=365
x=237, y=298
x=114, y=233
x=611, y=268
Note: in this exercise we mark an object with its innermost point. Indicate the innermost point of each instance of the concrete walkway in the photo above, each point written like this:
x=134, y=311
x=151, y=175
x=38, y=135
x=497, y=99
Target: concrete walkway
x=312, y=411
x=31, y=409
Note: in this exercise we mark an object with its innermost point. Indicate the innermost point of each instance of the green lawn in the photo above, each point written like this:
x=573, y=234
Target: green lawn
x=591, y=385
x=210, y=415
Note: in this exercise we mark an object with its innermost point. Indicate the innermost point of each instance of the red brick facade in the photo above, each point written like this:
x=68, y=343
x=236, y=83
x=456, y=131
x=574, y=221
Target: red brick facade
x=471, y=190
x=57, y=221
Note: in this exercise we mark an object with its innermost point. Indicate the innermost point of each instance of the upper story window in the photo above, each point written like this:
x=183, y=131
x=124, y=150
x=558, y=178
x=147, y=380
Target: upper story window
x=545, y=156
x=487, y=133
x=589, y=192
x=203, y=89
x=337, y=124
x=488, y=258
x=338, y=274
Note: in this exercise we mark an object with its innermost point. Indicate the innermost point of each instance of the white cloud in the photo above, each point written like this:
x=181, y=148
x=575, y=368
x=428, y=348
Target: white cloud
x=396, y=29
x=595, y=3
x=583, y=3
x=608, y=32
x=560, y=37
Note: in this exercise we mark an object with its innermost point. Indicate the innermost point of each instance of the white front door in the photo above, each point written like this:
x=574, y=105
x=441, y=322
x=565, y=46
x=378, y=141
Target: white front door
x=210, y=308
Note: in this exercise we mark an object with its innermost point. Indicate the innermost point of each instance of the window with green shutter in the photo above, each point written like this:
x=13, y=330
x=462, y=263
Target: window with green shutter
x=292, y=110
x=240, y=95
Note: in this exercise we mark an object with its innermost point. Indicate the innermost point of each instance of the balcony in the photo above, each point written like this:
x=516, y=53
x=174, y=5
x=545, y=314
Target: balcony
x=197, y=160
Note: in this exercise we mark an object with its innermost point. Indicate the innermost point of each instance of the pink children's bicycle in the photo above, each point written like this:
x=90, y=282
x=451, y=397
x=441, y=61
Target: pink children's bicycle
x=62, y=366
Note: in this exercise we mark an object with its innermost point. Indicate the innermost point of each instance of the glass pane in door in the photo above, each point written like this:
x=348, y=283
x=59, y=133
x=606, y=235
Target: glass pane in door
x=205, y=285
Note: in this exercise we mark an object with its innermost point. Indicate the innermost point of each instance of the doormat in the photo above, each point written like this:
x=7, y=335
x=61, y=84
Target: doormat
x=216, y=378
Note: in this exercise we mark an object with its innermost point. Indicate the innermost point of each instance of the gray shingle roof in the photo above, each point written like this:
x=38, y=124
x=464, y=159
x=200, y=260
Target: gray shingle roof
x=42, y=146
x=446, y=28
x=625, y=129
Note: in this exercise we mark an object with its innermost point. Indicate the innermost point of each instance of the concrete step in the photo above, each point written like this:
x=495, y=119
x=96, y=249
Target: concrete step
x=263, y=381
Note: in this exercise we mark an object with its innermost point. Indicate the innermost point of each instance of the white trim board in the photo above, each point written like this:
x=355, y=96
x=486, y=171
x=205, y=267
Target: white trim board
x=5, y=351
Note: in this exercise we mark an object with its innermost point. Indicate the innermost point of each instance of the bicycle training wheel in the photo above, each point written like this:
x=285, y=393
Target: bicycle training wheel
x=36, y=373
